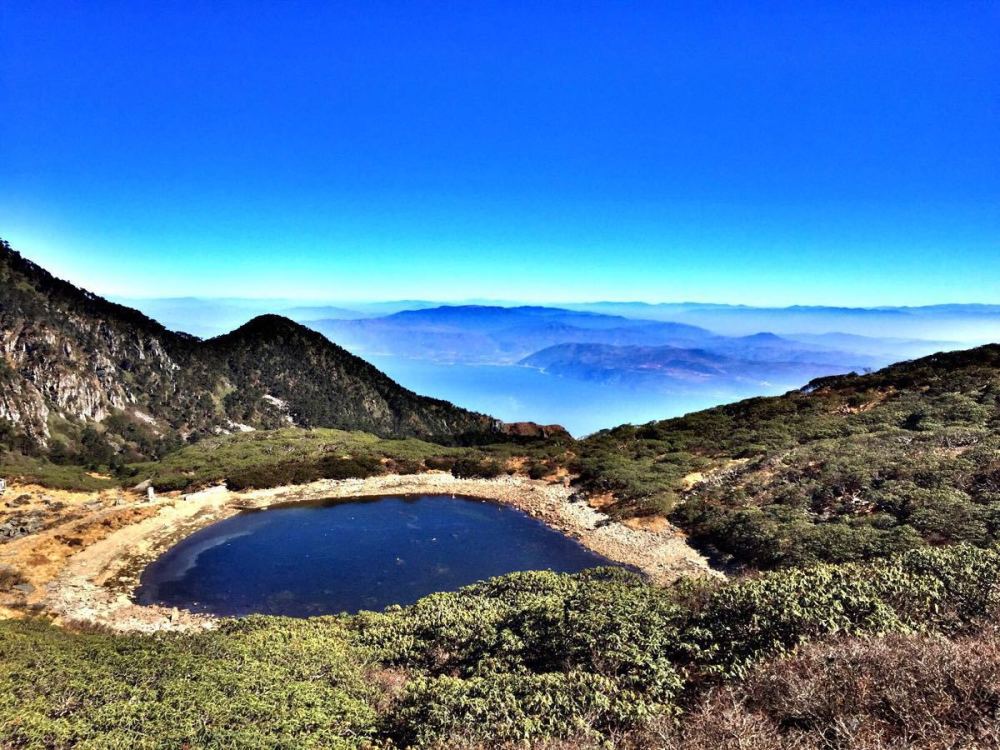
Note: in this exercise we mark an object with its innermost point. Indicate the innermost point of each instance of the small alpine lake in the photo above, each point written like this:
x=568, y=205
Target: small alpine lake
x=315, y=558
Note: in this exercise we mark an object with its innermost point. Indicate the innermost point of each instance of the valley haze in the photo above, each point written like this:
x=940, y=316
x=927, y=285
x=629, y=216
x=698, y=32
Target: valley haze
x=514, y=361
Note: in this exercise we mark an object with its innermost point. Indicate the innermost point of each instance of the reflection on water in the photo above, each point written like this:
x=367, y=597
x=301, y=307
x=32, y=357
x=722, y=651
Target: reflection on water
x=325, y=558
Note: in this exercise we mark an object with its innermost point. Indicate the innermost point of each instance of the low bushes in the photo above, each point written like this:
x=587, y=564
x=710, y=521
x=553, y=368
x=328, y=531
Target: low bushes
x=539, y=657
x=32, y=470
x=264, y=459
x=257, y=683
x=902, y=691
x=10, y=577
x=505, y=708
x=477, y=468
x=905, y=690
x=440, y=463
x=943, y=590
x=272, y=475
x=302, y=472
x=640, y=645
x=351, y=467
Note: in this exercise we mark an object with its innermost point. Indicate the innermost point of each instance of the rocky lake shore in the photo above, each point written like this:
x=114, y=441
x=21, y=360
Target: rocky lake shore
x=81, y=559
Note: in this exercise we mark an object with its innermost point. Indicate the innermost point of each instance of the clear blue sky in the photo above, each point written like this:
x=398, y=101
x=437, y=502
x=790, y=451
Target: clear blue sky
x=763, y=153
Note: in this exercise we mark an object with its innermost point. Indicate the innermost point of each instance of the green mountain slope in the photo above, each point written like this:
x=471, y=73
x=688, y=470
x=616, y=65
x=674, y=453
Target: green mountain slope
x=847, y=468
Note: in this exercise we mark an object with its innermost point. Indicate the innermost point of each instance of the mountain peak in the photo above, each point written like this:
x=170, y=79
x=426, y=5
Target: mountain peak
x=79, y=361
x=270, y=324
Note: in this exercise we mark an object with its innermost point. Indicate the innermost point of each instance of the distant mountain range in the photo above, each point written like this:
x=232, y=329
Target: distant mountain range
x=971, y=323
x=78, y=371
x=960, y=323
x=684, y=369
x=495, y=335
x=207, y=317
x=607, y=348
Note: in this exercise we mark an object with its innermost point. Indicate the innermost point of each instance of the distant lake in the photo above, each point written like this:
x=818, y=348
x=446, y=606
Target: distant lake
x=520, y=394
x=321, y=558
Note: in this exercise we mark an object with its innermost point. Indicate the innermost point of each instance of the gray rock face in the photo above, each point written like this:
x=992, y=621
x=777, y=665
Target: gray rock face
x=56, y=375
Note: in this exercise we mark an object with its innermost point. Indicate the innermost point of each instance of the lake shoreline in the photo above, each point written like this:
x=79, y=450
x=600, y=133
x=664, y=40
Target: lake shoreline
x=93, y=586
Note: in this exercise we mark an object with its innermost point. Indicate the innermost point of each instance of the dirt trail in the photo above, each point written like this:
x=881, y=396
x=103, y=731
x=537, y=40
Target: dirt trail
x=83, y=570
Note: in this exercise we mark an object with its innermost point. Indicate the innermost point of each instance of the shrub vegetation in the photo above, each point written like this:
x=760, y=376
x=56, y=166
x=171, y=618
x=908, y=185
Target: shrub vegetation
x=848, y=468
x=527, y=658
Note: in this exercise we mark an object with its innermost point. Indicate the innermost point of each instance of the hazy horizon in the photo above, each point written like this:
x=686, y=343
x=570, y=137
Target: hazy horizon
x=475, y=363
x=489, y=302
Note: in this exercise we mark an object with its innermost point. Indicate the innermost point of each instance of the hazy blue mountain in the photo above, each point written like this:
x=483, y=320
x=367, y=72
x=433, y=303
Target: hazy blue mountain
x=473, y=355
x=470, y=354
x=312, y=312
x=961, y=323
x=891, y=348
x=494, y=317
x=204, y=317
x=514, y=393
x=496, y=335
x=355, y=310
x=601, y=361
x=771, y=348
x=947, y=326
x=207, y=317
x=674, y=368
x=478, y=334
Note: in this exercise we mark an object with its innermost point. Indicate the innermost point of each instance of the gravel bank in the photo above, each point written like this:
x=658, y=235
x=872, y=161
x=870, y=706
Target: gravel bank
x=93, y=585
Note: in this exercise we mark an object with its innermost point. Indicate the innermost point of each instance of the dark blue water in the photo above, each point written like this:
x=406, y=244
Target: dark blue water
x=324, y=558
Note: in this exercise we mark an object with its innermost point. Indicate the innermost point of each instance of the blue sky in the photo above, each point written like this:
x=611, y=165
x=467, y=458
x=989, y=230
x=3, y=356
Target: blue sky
x=761, y=153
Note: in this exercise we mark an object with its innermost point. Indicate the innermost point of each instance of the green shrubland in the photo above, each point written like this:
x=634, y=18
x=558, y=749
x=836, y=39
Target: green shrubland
x=270, y=458
x=850, y=468
x=871, y=504
x=37, y=470
x=595, y=657
x=864, y=693
x=274, y=683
